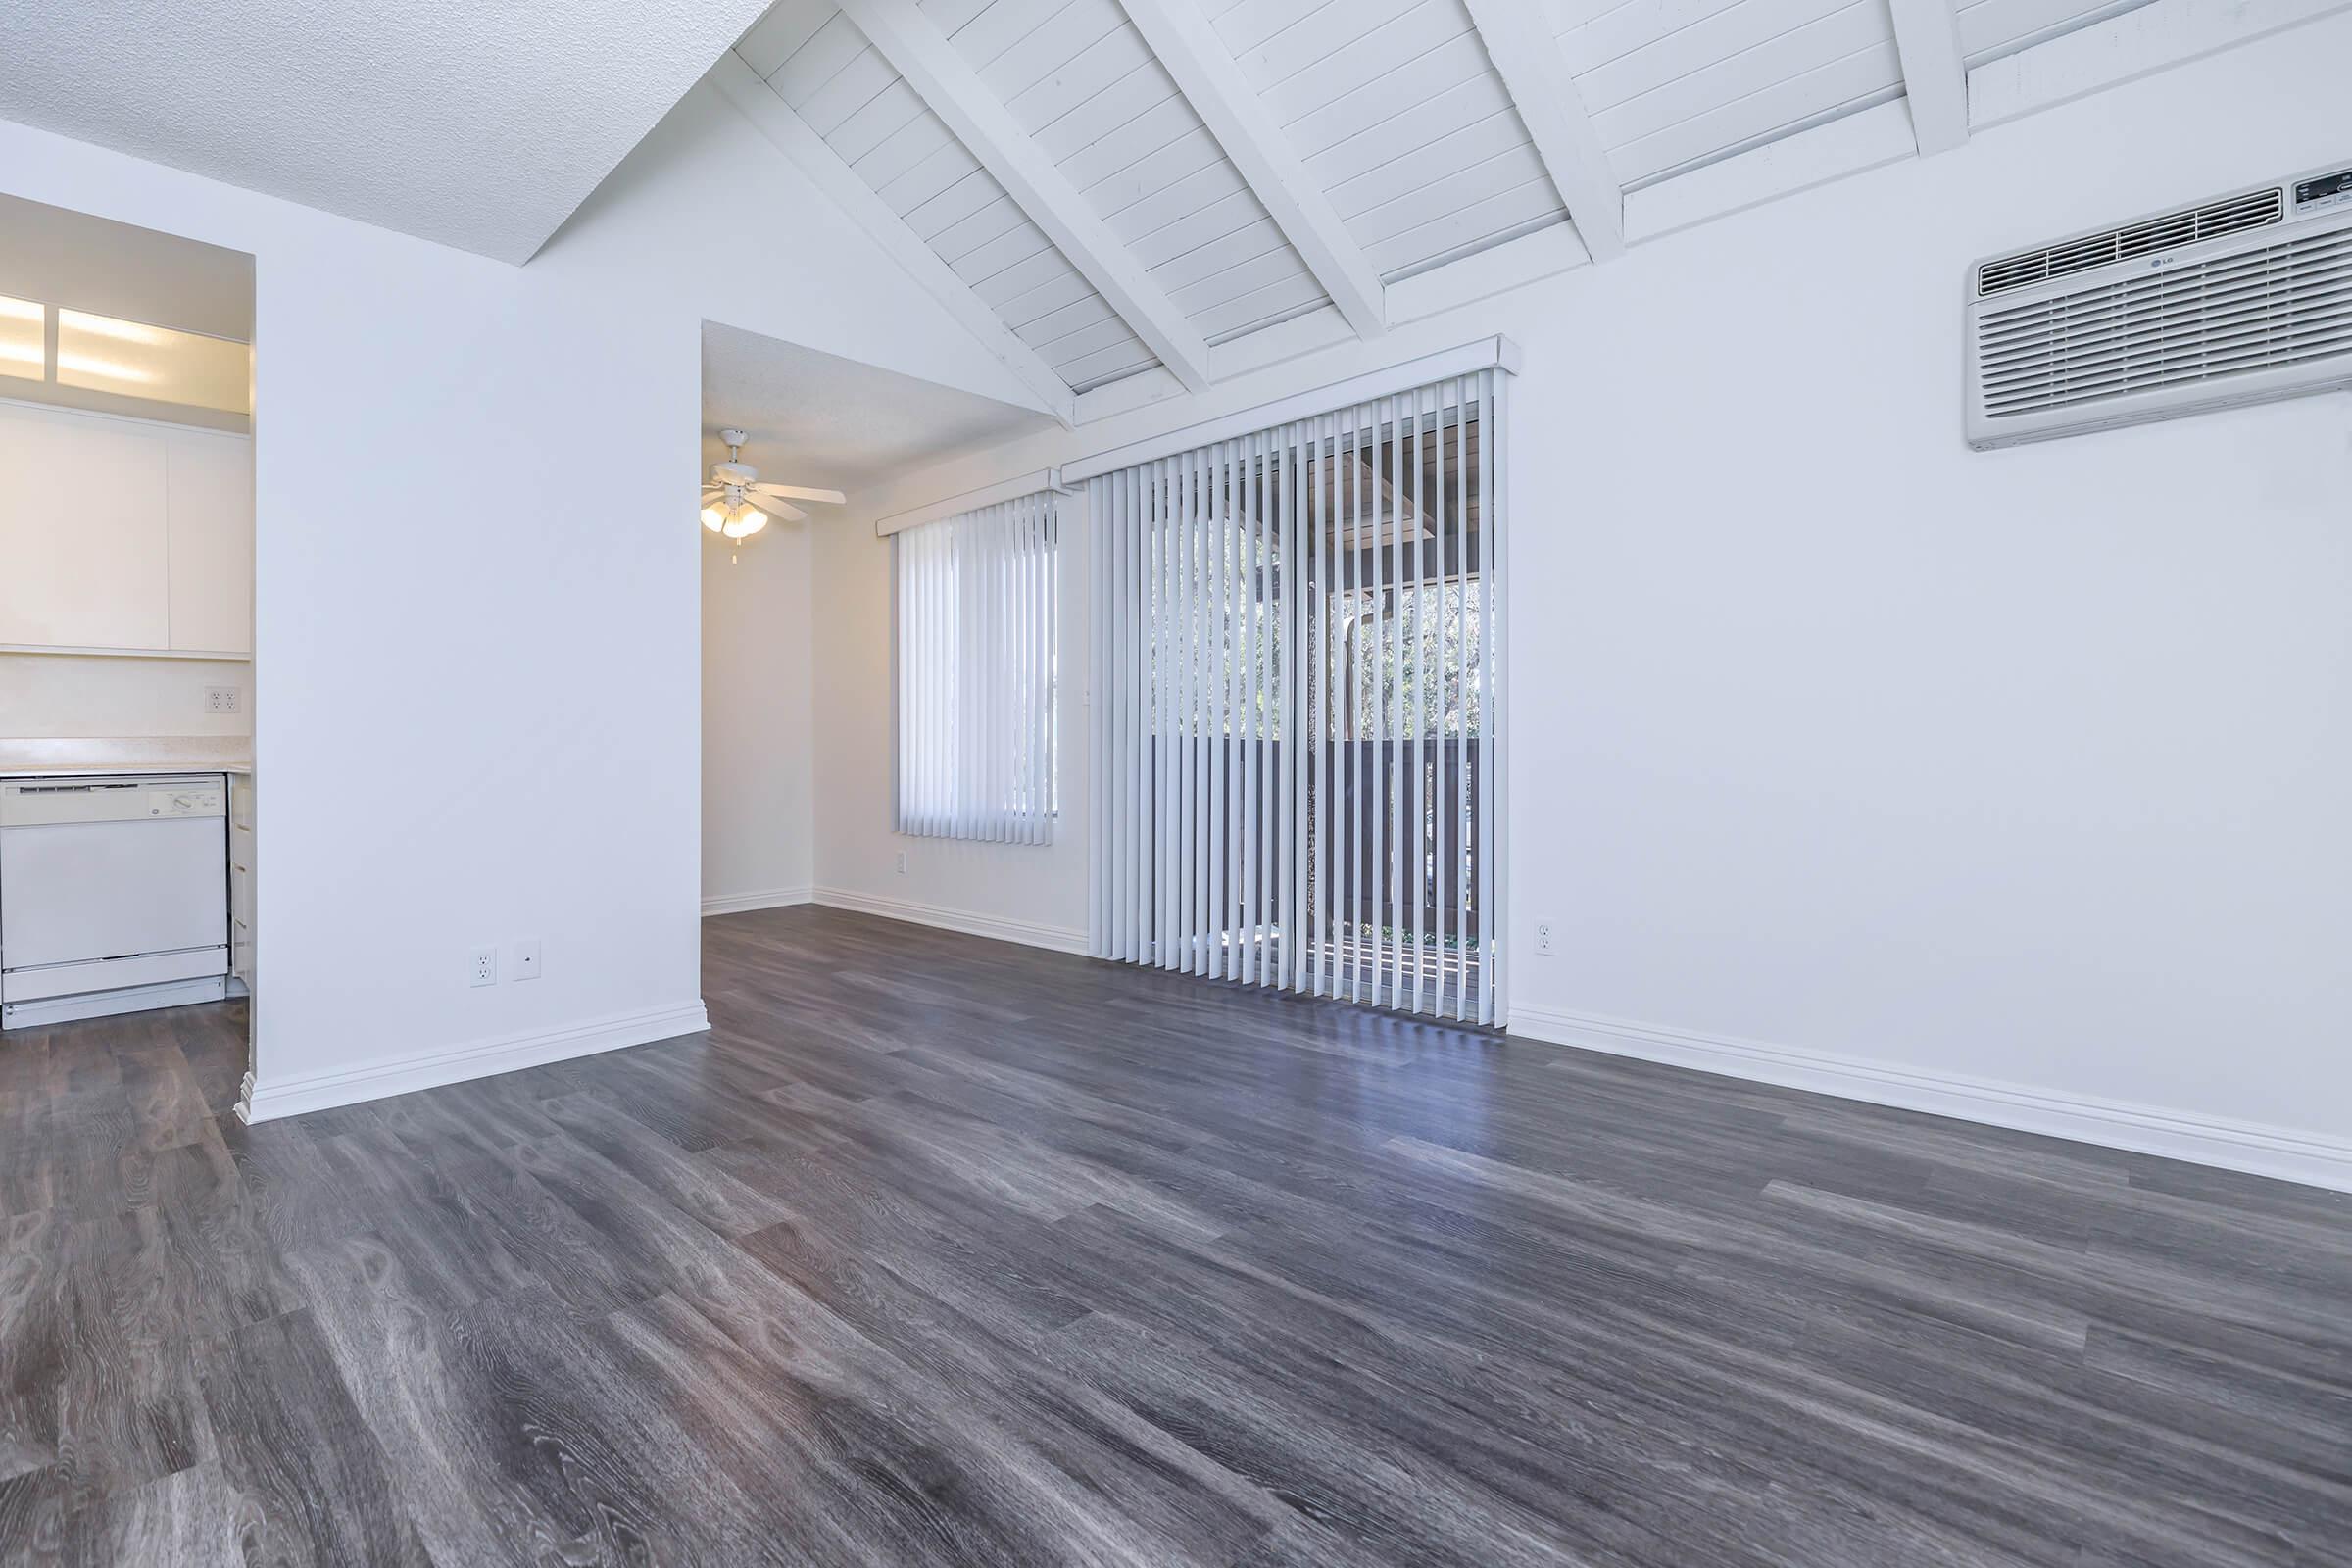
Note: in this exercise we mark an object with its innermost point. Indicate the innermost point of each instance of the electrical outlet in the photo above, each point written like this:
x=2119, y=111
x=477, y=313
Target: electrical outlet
x=485, y=966
x=901, y=862
x=1544, y=938
x=527, y=960
x=221, y=699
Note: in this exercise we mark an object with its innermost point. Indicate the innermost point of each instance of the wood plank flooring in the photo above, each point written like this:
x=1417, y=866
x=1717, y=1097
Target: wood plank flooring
x=939, y=1251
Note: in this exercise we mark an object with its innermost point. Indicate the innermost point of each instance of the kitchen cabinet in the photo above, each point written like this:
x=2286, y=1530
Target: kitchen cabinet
x=123, y=535
x=208, y=483
x=240, y=878
x=82, y=507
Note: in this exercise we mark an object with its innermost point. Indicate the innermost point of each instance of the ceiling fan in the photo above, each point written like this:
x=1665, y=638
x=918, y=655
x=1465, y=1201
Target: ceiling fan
x=736, y=505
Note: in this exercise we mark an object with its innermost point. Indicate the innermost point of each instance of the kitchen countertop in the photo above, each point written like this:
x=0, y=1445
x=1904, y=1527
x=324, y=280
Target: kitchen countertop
x=144, y=755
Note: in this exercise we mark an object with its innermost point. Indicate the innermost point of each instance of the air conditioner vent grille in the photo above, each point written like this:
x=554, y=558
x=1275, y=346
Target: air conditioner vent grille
x=2263, y=309
x=2231, y=216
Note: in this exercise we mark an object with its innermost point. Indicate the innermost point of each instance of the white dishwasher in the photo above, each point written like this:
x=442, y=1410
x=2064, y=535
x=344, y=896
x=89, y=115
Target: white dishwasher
x=114, y=895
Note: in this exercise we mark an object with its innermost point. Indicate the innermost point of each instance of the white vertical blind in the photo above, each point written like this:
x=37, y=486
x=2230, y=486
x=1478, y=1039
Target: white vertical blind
x=974, y=612
x=1297, y=746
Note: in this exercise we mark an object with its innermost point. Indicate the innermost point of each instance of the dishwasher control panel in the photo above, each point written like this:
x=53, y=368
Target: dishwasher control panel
x=187, y=803
x=71, y=802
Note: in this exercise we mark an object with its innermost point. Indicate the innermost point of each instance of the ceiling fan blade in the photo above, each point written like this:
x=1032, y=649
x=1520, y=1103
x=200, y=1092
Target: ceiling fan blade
x=782, y=508
x=795, y=492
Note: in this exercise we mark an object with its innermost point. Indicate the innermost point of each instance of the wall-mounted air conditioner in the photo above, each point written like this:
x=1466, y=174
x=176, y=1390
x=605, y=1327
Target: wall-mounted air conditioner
x=2239, y=300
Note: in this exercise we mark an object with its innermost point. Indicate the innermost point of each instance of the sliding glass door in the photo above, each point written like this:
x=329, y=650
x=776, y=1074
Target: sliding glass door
x=1299, y=728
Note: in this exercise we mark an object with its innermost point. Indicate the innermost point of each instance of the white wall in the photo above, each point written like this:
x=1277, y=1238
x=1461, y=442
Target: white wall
x=477, y=586
x=758, y=743
x=1925, y=768
x=2023, y=766
x=80, y=694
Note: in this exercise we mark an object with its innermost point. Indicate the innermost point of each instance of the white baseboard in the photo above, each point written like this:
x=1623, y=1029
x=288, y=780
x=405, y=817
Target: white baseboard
x=772, y=898
x=2263, y=1151
x=1061, y=939
x=269, y=1098
x=110, y=1004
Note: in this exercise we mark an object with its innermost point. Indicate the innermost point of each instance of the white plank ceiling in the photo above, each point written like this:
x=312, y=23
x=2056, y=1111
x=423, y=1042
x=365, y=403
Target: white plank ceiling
x=819, y=64
x=1399, y=117
x=1991, y=29
x=1401, y=151
x=1672, y=85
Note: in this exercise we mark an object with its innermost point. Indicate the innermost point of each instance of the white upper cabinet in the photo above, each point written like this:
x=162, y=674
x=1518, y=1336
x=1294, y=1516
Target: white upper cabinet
x=82, y=557
x=209, y=487
x=123, y=534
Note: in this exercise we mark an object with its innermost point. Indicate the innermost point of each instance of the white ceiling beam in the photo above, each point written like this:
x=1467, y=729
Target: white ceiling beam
x=920, y=53
x=1926, y=35
x=1535, y=73
x=1260, y=149
x=775, y=120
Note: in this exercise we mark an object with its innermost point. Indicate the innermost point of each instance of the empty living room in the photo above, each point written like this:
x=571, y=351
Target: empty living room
x=1265, y=783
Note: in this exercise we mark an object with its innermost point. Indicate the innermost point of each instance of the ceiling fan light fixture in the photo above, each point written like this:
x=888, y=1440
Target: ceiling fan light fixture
x=736, y=506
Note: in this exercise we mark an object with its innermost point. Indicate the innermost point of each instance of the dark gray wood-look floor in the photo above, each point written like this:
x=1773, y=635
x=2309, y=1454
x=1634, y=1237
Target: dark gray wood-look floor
x=941, y=1251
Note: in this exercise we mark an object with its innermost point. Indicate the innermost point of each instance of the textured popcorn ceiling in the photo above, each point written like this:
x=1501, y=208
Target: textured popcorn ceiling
x=819, y=420
x=480, y=123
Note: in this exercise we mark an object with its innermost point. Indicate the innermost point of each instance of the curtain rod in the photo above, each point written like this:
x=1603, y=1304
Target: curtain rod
x=1028, y=484
x=1483, y=354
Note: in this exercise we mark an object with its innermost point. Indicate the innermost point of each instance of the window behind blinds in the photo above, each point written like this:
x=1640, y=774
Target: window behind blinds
x=974, y=637
x=1299, y=671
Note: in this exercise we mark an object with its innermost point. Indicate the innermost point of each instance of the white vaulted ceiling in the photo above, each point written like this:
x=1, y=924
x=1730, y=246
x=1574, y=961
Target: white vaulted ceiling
x=1401, y=118
x=1991, y=29
x=1080, y=82
x=1119, y=199
x=481, y=126
x=1126, y=198
x=1671, y=86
